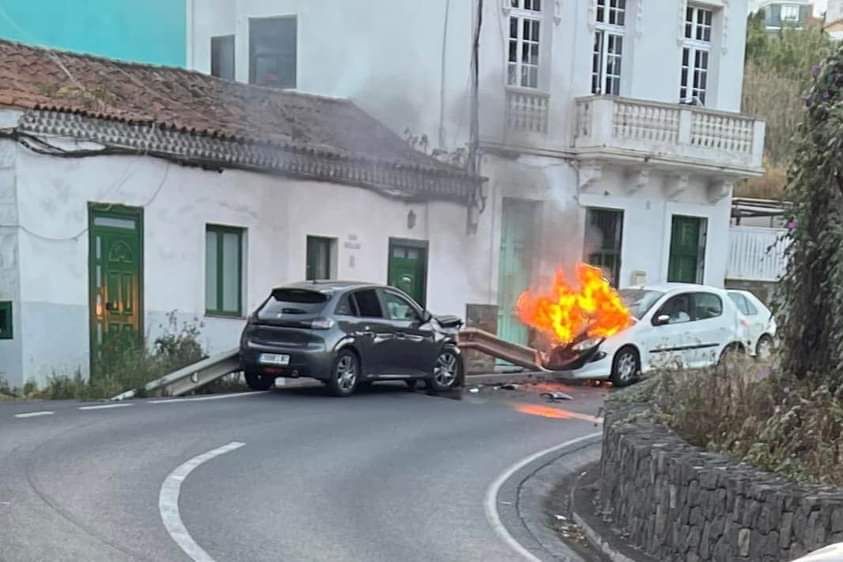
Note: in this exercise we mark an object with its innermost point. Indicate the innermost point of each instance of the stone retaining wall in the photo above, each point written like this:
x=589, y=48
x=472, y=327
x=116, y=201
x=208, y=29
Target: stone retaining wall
x=678, y=502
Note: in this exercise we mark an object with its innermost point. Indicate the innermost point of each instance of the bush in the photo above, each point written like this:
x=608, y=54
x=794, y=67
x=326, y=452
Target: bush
x=126, y=364
x=773, y=421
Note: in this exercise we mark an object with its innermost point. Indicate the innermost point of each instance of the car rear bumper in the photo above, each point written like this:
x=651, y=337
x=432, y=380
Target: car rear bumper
x=310, y=363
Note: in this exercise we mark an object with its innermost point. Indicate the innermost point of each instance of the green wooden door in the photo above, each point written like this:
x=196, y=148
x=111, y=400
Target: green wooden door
x=515, y=270
x=687, y=250
x=115, y=272
x=408, y=268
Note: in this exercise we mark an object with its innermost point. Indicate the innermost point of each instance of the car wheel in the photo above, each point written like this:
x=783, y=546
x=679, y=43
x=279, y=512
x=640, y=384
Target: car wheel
x=345, y=375
x=764, y=348
x=625, y=367
x=446, y=370
x=257, y=382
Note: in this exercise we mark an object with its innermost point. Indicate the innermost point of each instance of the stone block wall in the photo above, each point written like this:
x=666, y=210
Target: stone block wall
x=679, y=502
x=483, y=317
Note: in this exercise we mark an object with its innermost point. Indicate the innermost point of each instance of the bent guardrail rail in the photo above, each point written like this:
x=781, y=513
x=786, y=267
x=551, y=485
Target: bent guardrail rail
x=490, y=344
x=191, y=377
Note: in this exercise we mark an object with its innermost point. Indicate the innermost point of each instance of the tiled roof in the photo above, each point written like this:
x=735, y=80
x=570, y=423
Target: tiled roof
x=64, y=91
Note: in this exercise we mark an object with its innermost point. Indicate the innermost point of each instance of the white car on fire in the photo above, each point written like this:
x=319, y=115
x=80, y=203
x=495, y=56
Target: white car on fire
x=674, y=325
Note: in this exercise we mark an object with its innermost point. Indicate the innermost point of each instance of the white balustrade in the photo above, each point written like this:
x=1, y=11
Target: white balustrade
x=670, y=131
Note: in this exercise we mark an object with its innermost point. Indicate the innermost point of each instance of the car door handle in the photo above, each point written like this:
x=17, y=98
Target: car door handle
x=400, y=336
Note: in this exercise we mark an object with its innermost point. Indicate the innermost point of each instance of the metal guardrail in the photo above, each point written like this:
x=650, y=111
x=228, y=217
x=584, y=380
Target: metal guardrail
x=191, y=377
x=484, y=342
x=208, y=370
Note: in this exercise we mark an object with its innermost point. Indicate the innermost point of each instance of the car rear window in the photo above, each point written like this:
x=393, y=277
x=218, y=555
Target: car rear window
x=707, y=305
x=293, y=303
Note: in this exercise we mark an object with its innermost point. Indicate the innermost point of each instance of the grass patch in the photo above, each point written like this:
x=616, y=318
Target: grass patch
x=771, y=420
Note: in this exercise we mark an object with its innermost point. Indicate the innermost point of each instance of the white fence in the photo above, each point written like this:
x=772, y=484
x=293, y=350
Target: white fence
x=756, y=253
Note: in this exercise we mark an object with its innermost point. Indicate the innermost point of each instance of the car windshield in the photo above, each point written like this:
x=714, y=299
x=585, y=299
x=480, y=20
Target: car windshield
x=639, y=301
x=293, y=303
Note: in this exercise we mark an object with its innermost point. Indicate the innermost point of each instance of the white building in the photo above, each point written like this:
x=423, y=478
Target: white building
x=128, y=192
x=780, y=14
x=590, y=151
x=834, y=19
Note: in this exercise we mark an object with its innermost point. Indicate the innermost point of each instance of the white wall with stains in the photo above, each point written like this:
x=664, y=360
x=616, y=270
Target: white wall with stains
x=278, y=214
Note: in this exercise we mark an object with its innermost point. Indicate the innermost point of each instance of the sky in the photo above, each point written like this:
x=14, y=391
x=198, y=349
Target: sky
x=820, y=6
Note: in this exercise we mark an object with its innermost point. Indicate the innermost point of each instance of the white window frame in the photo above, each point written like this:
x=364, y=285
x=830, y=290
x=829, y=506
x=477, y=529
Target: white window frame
x=608, y=47
x=523, y=73
x=795, y=12
x=695, y=76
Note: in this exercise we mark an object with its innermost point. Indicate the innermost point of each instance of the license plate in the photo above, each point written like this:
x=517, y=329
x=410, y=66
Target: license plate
x=274, y=359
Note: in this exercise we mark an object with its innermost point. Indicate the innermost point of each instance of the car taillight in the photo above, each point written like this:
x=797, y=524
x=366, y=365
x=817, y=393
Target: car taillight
x=321, y=324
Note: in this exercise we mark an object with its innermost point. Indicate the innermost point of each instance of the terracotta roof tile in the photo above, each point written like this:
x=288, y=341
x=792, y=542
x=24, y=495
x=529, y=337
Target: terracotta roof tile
x=35, y=78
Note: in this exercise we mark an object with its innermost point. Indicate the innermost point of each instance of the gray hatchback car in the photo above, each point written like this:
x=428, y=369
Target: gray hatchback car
x=347, y=334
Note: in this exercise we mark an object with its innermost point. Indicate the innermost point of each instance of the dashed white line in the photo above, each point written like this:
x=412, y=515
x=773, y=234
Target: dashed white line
x=105, y=406
x=491, y=503
x=202, y=399
x=168, y=502
x=34, y=414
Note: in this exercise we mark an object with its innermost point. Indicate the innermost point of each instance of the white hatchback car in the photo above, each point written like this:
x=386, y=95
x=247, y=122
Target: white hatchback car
x=757, y=323
x=675, y=325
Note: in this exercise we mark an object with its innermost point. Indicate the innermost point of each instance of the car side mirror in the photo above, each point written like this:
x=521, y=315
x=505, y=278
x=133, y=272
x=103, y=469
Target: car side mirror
x=426, y=317
x=661, y=320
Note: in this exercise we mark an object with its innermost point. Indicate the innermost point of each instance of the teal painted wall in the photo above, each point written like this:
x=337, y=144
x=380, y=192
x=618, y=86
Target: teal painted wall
x=150, y=31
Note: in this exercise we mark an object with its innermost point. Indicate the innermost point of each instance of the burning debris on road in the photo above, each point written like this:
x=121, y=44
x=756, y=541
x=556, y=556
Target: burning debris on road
x=574, y=318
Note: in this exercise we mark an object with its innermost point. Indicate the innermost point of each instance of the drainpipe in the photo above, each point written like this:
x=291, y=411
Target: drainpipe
x=442, y=139
x=474, y=135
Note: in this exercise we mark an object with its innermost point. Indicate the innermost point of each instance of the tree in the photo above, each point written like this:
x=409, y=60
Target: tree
x=812, y=332
x=777, y=74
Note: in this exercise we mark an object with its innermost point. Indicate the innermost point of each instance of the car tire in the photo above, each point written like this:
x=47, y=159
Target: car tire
x=764, y=347
x=625, y=367
x=345, y=374
x=257, y=382
x=447, y=370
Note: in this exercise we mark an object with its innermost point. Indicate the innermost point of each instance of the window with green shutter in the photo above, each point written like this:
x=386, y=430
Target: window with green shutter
x=5, y=320
x=223, y=270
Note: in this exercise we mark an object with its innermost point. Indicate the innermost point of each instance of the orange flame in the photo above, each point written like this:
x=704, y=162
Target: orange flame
x=567, y=311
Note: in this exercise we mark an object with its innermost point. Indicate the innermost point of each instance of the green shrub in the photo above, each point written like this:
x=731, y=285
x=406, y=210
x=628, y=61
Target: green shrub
x=776, y=422
x=126, y=364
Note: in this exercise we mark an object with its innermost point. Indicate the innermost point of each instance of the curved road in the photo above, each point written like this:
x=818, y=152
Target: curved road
x=387, y=475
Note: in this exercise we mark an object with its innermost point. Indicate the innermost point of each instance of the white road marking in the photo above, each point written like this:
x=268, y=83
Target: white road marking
x=168, y=502
x=34, y=414
x=215, y=397
x=105, y=406
x=492, y=496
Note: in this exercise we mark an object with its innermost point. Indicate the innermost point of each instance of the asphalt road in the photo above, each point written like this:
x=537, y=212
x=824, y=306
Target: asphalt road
x=387, y=475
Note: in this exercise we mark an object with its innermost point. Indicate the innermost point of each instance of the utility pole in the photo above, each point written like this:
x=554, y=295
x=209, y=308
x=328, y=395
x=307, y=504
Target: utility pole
x=473, y=164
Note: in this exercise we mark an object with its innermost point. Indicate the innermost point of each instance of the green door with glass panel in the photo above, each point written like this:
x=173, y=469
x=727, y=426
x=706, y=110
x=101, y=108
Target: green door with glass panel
x=687, y=250
x=516, y=265
x=408, y=268
x=115, y=287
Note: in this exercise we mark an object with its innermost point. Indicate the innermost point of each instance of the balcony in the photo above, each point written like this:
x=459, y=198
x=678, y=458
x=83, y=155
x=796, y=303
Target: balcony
x=527, y=116
x=668, y=134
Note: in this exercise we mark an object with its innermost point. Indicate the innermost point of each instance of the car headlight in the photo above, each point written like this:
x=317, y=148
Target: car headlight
x=587, y=344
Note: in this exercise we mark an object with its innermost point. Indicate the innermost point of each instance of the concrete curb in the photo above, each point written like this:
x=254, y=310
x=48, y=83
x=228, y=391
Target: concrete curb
x=521, y=499
x=598, y=542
